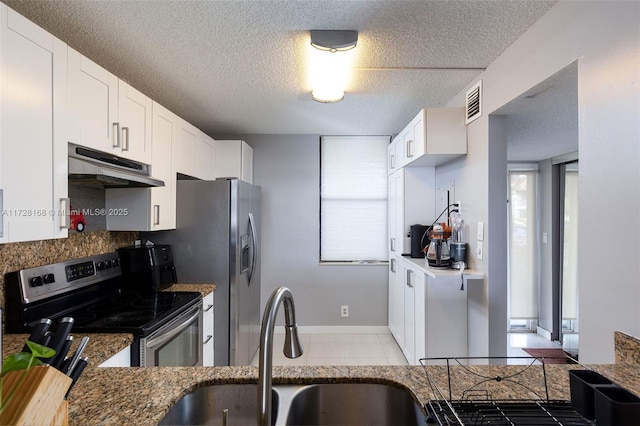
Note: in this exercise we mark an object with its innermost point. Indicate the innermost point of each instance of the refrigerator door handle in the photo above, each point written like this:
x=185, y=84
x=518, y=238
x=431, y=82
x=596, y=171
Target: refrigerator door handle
x=254, y=239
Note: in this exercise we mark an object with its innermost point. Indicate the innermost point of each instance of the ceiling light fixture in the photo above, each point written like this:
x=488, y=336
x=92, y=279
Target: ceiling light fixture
x=330, y=63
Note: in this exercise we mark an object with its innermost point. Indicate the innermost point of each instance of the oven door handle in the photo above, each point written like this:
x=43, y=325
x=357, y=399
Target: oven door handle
x=174, y=332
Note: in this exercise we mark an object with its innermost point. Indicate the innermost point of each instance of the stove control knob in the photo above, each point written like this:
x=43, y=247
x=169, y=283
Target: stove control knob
x=49, y=279
x=110, y=264
x=35, y=281
x=100, y=266
x=115, y=262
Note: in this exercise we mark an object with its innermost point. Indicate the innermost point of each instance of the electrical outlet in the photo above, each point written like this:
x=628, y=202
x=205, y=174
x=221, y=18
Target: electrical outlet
x=344, y=311
x=479, y=250
x=459, y=203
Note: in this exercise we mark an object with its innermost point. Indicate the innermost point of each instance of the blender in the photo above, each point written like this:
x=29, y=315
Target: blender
x=457, y=246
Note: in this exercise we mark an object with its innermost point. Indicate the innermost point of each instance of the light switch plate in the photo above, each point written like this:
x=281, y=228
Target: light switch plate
x=480, y=236
x=479, y=250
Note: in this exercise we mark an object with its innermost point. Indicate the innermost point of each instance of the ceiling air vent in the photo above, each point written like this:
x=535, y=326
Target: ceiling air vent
x=473, y=106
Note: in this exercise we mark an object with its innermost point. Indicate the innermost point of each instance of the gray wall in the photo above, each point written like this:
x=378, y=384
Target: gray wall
x=603, y=38
x=287, y=167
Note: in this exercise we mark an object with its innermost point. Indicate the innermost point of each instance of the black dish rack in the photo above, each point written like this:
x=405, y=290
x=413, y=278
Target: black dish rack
x=481, y=396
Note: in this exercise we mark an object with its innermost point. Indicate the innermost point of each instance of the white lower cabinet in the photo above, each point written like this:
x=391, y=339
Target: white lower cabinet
x=427, y=316
x=207, y=335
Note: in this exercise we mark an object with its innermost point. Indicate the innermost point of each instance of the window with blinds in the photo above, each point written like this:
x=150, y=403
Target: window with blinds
x=353, y=198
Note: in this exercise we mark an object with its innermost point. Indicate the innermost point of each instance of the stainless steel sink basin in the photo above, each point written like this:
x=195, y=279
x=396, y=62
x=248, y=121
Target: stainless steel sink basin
x=206, y=405
x=317, y=404
x=353, y=404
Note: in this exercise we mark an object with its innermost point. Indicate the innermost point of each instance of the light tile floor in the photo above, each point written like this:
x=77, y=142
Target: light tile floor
x=341, y=349
x=373, y=348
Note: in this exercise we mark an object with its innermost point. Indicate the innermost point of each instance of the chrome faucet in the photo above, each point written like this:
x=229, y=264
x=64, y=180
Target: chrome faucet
x=292, y=346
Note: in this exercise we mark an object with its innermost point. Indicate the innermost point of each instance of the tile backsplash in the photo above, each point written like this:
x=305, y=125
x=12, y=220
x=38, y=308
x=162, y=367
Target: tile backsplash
x=16, y=256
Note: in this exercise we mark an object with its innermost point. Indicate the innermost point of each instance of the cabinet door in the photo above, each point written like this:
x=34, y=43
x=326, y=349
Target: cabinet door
x=163, y=199
x=396, y=301
x=419, y=289
x=208, y=327
x=247, y=163
x=234, y=159
x=446, y=317
x=205, y=151
x=33, y=149
x=396, y=212
x=409, y=316
x=392, y=158
x=419, y=147
x=135, y=115
x=93, y=102
x=184, y=149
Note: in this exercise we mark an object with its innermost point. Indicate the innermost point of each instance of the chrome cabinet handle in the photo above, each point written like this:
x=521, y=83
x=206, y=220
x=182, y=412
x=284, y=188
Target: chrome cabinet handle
x=156, y=214
x=409, y=148
x=392, y=161
x=208, y=308
x=393, y=244
x=392, y=265
x=409, y=283
x=209, y=337
x=116, y=135
x=64, y=213
x=125, y=143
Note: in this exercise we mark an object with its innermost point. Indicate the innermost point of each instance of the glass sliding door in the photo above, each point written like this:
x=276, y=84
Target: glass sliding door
x=522, y=249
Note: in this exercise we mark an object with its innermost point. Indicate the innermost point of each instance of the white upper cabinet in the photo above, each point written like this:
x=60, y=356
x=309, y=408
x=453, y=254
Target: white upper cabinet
x=109, y=115
x=234, y=159
x=150, y=209
x=135, y=120
x=33, y=143
x=205, y=154
x=184, y=149
x=435, y=136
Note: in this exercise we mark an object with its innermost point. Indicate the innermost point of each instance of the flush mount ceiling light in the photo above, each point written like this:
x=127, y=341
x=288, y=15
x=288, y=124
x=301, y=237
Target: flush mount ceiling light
x=331, y=57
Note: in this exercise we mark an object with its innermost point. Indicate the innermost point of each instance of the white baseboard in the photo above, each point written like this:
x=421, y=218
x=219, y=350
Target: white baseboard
x=544, y=333
x=339, y=329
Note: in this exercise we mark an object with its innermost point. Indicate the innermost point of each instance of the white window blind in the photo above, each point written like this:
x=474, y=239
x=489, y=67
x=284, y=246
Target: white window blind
x=353, y=198
x=523, y=276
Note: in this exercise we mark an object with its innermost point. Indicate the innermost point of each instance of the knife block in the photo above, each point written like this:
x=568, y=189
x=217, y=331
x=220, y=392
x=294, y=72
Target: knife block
x=38, y=398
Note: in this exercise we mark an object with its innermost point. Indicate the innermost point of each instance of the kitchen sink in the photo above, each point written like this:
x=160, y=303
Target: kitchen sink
x=206, y=405
x=315, y=404
x=353, y=404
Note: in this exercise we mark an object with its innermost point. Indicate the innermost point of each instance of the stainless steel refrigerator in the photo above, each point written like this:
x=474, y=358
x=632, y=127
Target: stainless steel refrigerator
x=217, y=240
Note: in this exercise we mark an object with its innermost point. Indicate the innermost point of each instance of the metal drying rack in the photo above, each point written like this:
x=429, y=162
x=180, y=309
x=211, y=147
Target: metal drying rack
x=480, y=396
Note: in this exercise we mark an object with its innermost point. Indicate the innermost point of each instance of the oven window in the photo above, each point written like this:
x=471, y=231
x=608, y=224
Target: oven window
x=182, y=350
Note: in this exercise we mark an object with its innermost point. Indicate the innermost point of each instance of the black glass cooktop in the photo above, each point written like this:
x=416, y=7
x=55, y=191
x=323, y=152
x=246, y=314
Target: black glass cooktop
x=133, y=313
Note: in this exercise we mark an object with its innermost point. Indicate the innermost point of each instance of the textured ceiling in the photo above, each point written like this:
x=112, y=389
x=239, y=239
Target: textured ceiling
x=542, y=123
x=238, y=67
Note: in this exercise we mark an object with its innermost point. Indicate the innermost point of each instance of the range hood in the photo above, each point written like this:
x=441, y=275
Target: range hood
x=98, y=169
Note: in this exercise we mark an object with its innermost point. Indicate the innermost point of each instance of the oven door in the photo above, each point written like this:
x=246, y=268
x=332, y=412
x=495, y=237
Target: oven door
x=176, y=344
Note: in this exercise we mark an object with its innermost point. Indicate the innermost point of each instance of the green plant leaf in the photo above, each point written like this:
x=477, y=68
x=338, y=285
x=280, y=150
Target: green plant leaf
x=18, y=361
x=39, y=350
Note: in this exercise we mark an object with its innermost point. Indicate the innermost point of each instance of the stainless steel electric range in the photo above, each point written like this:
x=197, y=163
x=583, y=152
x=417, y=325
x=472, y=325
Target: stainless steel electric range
x=167, y=326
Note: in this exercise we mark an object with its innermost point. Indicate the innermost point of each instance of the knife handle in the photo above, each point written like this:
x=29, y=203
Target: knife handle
x=75, y=374
x=58, y=358
x=37, y=333
x=58, y=339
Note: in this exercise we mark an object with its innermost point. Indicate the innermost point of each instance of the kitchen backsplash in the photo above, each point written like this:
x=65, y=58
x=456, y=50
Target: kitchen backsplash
x=16, y=256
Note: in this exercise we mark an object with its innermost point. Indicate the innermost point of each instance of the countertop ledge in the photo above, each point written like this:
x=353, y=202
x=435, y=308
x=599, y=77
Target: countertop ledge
x=144, y=395
x=204, y=289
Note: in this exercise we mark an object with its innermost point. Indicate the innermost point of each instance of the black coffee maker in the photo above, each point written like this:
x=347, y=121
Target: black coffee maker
x=419, y=240
x=147, y=269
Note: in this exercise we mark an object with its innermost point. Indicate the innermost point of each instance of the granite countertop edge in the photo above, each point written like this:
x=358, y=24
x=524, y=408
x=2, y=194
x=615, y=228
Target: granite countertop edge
x=145, y=395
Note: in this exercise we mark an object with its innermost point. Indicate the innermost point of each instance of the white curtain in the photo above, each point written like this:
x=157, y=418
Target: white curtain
x=523, y=275
x=353, y=198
